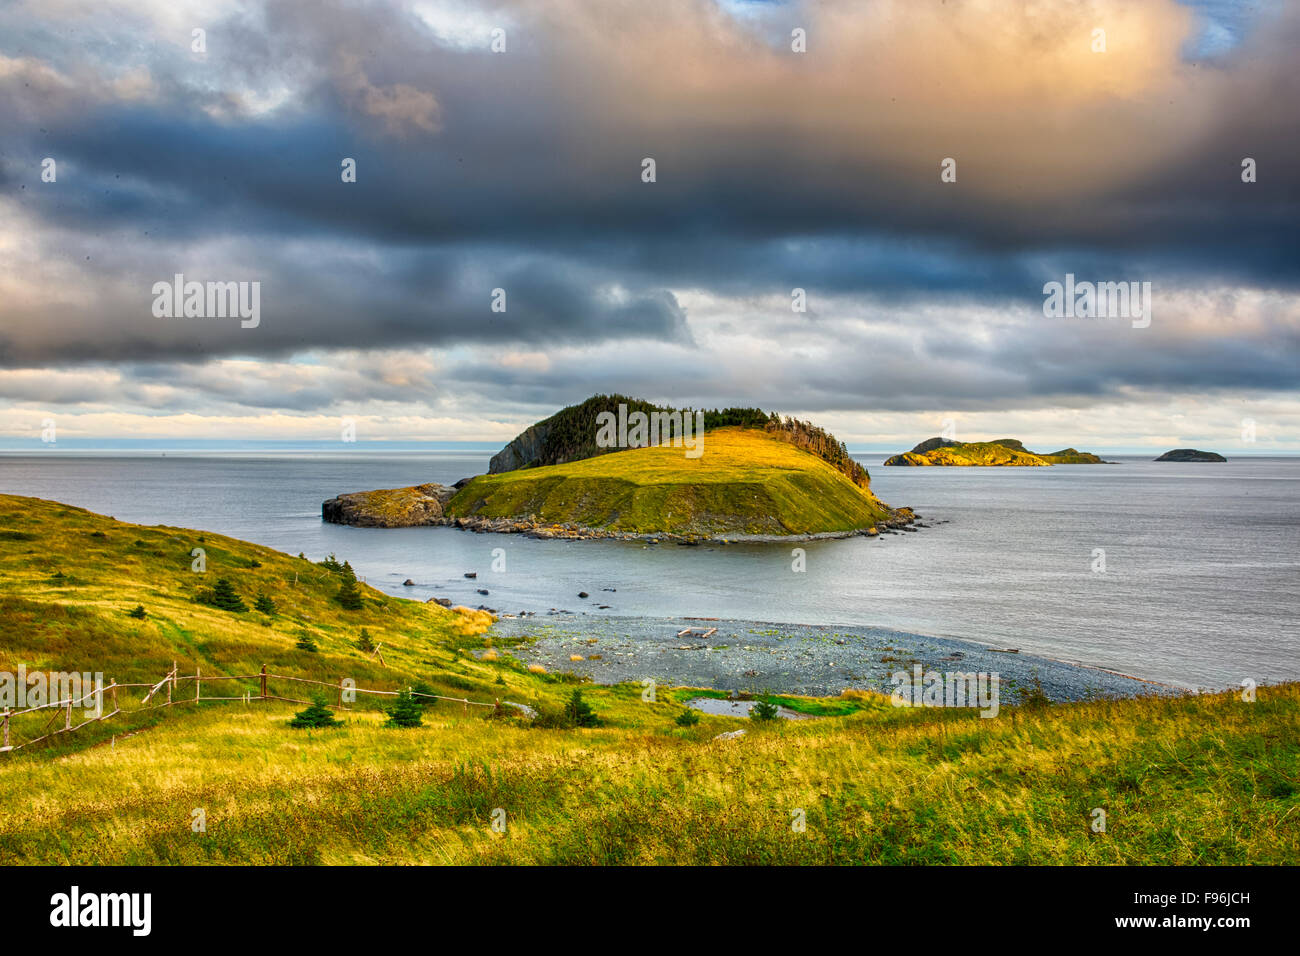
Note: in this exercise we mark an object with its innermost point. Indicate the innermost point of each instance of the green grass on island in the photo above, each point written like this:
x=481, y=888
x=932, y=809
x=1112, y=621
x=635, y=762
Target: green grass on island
x=1189, y=780
x=746, y=481
x=1004, y=452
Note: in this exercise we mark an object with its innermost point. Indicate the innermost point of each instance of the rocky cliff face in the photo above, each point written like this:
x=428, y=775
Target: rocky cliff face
x=1190, y=454
x=522, y=452
x=390, y=508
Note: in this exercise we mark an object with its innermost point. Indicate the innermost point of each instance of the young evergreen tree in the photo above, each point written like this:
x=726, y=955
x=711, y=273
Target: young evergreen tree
x=364, y=643
x=406, y=711
x=224, y=597
x=579, y=711
x=305, y=643
x=349, y=593
x=265, y=604
x=764, y=709
x=137, y=612
x=687, y=718
x=316, y=715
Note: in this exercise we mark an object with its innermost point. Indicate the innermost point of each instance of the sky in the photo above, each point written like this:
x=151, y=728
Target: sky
x=522, y=169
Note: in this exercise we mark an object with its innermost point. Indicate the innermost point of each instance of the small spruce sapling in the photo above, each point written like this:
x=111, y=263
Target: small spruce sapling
x=579, y=712
x=406, y=711
x=316, y=715
x=225, y=597
x=765, y=709
x=349, y=593
x=364, y=643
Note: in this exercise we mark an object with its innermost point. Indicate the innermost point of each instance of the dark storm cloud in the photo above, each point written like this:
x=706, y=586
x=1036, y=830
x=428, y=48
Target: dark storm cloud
x=521, y=171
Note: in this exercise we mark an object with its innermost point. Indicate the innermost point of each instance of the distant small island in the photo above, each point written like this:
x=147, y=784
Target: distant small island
x=1190, y=454
x=1003, y=452
x=617, y=467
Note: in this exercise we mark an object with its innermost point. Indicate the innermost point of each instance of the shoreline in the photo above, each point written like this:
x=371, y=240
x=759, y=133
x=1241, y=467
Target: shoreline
x=905, y=520
x=814, y=660
x=902, y=519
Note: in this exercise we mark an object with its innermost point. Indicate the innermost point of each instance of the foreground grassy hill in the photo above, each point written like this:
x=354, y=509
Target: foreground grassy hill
x=1004, y=452
x=1194, y=780
x=69, y=578
x=747, y=481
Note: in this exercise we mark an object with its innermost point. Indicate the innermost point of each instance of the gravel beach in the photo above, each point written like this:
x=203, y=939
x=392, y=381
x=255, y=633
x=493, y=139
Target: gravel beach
x=804, y=659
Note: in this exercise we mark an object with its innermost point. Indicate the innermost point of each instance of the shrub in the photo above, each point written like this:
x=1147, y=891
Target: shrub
x=137, y=612
x=305, y=643
x=316, y=715
x=1034, y=698
x=265, y=604
x=687, y=718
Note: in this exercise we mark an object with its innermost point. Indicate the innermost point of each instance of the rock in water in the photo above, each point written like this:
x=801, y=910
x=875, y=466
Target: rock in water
x=391, y=508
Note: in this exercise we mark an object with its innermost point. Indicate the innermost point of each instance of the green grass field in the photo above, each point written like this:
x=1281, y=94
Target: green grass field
x=1192, y=780
x=745, y=482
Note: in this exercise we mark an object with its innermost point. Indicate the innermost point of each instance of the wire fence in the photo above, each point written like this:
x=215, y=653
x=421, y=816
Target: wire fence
x=170, y=684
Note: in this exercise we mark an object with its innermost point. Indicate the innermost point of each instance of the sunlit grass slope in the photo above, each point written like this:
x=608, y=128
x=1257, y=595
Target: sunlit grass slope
x=745, y=482
x=1183, y=781
x=69, y=577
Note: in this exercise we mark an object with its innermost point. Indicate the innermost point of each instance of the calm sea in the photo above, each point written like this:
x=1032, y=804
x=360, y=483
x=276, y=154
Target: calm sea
x=1201, y=585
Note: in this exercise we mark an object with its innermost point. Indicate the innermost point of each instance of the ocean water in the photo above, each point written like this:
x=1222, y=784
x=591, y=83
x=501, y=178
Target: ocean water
x=1201, y=586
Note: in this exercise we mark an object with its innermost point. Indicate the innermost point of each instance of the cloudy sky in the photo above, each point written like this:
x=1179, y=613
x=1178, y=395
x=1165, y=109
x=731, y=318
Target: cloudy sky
x=521, y=170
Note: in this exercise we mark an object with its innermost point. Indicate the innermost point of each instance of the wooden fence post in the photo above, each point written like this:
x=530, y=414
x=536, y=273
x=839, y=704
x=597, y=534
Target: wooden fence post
x=4, y=719
x=171, y=682
x=196, y=683
x=263, y=681
x=340, y=692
